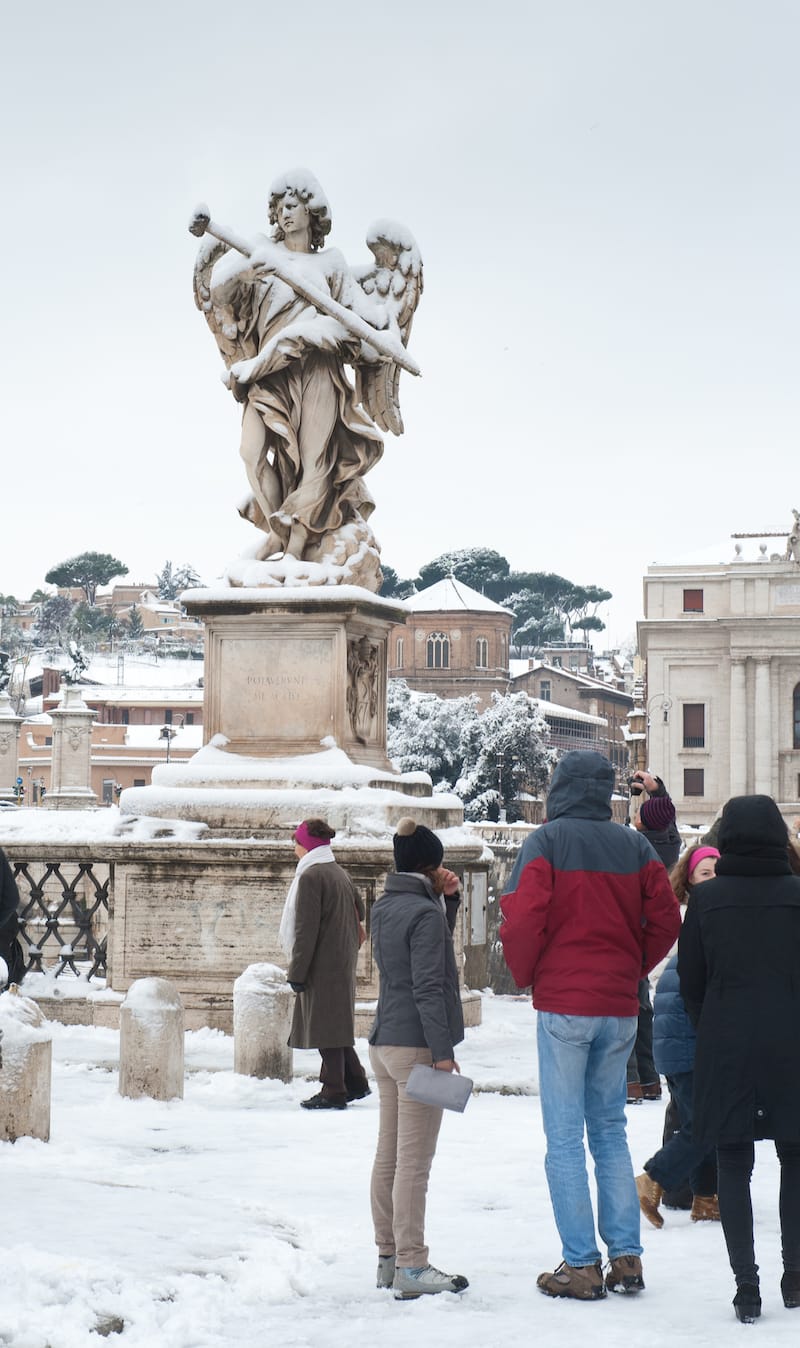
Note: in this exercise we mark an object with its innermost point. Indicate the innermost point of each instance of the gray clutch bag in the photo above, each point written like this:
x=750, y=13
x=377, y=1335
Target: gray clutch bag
x=446, y=1090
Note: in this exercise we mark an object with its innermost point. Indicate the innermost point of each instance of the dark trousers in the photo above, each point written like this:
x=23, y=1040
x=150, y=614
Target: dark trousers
x=341, y=1074
x=734, y=1169
x=640, y=1064
x=682, y=1159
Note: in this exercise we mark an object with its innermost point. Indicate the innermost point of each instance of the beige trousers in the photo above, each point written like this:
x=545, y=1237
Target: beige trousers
x=406, y=1144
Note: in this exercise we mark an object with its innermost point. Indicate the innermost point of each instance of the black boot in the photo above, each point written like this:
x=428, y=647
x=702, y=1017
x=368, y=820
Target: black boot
x=790, y=1290
x=747, y=1302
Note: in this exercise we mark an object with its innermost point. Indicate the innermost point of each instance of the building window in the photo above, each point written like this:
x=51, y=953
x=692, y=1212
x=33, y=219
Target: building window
x=694, y=781
x=398, y=659
x=544, y=690
x=693, y=601
x=168, y=716
x=694, y=725
x=138, y=781
x=481, y=653
x=126, y=716
x=557, y=662
x=438, y=651
x=796, y=709
x=189, y=718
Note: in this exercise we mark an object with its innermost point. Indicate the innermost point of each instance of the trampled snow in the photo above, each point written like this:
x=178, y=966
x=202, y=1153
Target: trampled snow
x=234, y=1219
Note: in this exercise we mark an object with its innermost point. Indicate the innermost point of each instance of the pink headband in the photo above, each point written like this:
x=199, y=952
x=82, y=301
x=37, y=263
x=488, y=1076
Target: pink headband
x=302, y=836
x=700, y=855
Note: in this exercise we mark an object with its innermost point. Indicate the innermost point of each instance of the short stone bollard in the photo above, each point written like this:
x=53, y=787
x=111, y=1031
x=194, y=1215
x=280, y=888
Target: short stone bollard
x=263, y=1004
x=27, y=1050
x=151, y=1041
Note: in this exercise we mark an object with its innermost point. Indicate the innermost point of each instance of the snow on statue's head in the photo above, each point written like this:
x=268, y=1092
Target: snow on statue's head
x=306, y=188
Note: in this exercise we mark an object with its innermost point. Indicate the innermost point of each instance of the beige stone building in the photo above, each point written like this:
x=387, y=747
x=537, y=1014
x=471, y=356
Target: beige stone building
x=608, y=707
x=455, y=642
x=721, y=644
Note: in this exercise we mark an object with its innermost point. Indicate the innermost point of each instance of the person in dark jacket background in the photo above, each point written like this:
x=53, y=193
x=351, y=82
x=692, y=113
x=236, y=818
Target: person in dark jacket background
x=680, y=1159
x=655, y=818
x=418, y=1020
x=588, y=913
x=738, y=962
x=10, y=948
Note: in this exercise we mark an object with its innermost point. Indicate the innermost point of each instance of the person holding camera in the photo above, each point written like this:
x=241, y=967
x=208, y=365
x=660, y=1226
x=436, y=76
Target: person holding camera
x=653, y=814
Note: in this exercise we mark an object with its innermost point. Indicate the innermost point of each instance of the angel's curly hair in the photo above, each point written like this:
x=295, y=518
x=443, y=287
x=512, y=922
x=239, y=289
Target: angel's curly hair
x=320, y=215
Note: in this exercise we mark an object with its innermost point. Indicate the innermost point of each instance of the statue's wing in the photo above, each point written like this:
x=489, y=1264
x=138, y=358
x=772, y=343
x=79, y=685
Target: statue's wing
x=395, y=281
x=228, y=330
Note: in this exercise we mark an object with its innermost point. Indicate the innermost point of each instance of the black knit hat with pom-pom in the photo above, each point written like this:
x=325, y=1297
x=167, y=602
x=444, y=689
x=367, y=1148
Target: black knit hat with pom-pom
x=416, y=848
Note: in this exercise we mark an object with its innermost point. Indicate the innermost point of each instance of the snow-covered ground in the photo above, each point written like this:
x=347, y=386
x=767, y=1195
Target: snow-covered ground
x=234, y=1218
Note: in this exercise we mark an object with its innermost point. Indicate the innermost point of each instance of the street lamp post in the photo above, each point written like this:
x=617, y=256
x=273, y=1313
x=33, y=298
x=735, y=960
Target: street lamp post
x=168, y=733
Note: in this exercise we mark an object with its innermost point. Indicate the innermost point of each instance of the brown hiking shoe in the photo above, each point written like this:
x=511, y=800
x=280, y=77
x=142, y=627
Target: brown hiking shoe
x=634, y=1095
x=705, y=1209
x=651, y=1090
x=583, y=1284
x=650, y=1195
x=625, y=1274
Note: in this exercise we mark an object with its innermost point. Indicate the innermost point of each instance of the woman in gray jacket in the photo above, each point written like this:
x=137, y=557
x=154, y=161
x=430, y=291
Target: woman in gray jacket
x=418, y=1020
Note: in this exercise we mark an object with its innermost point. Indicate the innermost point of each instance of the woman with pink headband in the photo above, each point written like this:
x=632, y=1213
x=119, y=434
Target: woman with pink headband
x=680, y=1159
x=321, y=930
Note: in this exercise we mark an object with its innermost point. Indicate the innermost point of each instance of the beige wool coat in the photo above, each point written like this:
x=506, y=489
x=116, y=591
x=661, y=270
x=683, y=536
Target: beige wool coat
x=324, y=958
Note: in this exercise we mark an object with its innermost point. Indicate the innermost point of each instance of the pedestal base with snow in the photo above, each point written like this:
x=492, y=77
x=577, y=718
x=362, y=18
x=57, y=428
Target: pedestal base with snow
x=151, y=1050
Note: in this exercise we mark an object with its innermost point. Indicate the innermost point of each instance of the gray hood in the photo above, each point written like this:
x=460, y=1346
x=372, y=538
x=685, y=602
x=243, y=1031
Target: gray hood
x=581, y=787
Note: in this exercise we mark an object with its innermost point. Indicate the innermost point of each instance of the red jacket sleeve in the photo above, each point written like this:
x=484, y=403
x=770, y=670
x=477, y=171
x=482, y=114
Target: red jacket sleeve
x=661, y=913
x=524, y=912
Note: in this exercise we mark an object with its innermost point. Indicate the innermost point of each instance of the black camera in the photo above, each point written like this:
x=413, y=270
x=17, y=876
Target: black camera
x=635, y=786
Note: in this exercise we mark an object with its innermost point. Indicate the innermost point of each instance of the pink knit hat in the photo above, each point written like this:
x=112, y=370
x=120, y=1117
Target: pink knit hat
x=698, y=856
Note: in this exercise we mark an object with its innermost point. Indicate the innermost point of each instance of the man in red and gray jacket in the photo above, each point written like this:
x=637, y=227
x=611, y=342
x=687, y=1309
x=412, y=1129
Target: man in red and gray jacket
x=589, y=911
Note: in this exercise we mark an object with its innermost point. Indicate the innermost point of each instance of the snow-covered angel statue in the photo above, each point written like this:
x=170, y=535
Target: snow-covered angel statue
x=288, y=315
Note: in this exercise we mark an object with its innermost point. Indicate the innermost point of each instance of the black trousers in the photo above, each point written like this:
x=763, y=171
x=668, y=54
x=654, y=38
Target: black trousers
x=640, y=1064
x=734, y=1169
x=341, y=1073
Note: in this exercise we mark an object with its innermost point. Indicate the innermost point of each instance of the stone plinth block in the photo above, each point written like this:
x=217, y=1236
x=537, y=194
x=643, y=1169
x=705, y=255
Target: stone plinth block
x=287, y=669
x=151, y=1041
x=263, y=1004
x=25, y=1073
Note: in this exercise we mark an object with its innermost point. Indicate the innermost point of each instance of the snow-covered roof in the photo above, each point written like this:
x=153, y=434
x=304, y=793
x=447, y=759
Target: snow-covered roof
x=553, y=709
x=452, y=596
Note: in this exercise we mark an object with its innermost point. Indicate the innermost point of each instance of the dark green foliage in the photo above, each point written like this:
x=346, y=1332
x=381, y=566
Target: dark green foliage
x=86, y=572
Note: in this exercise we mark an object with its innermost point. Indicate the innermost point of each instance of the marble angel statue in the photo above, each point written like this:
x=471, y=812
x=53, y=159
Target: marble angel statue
x=288, y=316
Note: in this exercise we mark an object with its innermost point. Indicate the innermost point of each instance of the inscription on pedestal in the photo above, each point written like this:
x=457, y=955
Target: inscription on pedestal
x=277, y=688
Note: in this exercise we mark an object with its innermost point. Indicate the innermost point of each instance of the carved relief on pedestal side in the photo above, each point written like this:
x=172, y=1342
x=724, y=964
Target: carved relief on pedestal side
x=363, y=672
x=6, y=740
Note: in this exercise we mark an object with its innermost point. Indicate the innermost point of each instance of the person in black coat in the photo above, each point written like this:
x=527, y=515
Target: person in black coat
x=10, y=949
x=738, y=962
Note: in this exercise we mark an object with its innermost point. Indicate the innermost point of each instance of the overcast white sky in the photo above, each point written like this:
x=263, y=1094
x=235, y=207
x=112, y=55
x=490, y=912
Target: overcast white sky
x=605, y=193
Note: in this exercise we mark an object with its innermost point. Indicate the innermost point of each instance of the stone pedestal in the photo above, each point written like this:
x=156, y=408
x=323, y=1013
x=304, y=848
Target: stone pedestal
x=287, y=669
x=71, y=774
x=9, y=748
x=295, y=721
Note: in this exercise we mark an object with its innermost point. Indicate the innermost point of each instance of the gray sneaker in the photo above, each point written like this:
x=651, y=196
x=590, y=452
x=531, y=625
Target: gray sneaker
x=385, y=1276
x=410, y=1283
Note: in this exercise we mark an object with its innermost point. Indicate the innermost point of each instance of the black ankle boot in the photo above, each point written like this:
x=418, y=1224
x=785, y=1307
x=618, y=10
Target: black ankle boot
x=747, y=1302
x=790, y=1290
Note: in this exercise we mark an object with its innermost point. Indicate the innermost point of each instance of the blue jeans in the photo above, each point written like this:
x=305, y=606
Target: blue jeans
x=582, y=1083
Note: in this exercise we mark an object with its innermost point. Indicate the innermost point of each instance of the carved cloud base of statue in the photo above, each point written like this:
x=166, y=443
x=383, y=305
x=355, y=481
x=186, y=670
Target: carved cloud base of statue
x=348, y=555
